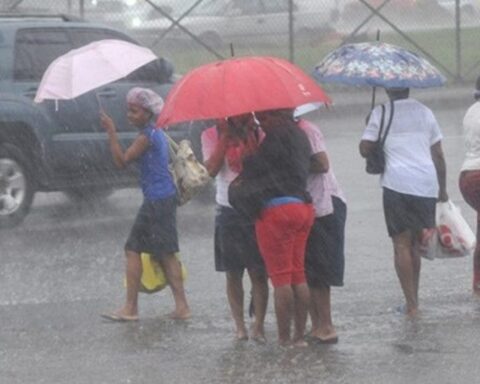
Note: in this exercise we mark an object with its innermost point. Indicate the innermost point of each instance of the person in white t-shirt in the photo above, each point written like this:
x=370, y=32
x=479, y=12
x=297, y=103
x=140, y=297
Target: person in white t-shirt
x=469, y=181
x=236, y=249
x=413, y=180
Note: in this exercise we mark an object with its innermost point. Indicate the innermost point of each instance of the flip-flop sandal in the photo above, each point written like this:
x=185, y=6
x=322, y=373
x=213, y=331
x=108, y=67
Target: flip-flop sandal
x=115, y=317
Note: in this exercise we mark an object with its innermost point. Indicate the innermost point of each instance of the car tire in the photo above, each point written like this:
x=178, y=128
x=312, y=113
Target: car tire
x=17, y=186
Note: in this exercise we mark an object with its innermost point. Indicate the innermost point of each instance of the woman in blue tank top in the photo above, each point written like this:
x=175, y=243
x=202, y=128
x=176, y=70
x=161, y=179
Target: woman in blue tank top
x=155, y=228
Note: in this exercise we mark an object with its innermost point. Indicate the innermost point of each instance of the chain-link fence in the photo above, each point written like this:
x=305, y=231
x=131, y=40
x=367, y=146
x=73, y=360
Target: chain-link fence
x=192, y=32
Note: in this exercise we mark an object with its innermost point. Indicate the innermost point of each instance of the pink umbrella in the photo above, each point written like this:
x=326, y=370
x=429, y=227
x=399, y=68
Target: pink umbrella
x=89, y=67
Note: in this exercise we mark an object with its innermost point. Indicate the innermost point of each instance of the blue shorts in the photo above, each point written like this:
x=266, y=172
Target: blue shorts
x=324, y=256
x=155, y=228
x=407, y=212
x=235, y=242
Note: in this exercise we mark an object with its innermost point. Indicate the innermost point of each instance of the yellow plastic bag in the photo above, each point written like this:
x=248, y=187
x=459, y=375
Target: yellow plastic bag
x=153, y=279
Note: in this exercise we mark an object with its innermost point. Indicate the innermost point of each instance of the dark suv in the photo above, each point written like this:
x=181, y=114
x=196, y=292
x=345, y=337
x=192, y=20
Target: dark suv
x=44, y=148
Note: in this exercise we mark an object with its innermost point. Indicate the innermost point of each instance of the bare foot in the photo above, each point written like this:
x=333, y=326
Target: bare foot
x=412, y=313
x=121, y=316
x=241, y=337
x=181, y=315
x=324, y=334
x=241, y=334
x=260, y=339
x=258, y=334
x=301, y=343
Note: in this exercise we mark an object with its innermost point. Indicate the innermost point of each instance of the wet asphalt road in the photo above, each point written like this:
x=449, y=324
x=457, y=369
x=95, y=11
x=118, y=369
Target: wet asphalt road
x=64, y=266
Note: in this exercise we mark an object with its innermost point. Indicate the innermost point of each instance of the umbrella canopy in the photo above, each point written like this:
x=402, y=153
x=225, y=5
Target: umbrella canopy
x=379, y=65
x=89, y=67
x=236, y=86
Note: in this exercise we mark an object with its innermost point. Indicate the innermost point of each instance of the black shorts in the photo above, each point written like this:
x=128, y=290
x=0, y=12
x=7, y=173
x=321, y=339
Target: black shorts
x=155, y=228
x=407, y=212
x=324, y=256
x=235, y=242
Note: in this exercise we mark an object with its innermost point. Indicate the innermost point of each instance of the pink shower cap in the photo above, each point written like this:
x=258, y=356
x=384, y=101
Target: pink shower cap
x=146, y=99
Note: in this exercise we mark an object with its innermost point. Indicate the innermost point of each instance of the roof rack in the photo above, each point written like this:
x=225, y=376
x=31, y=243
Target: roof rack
x=61, y=16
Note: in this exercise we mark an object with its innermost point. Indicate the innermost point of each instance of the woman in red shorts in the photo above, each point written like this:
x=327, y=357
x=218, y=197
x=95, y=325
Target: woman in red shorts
x=282, y=225
x=470, y=174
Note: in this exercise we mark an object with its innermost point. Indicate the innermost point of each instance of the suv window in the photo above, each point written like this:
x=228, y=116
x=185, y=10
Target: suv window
x=35, y=49
x=86, y=36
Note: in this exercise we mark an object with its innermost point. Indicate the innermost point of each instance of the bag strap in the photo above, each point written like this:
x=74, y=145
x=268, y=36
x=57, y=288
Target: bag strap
x=172, y=147
x=382, y=120
x=392, y=109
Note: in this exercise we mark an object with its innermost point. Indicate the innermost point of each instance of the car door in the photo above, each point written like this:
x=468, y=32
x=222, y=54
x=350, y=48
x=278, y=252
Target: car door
x=66, y=145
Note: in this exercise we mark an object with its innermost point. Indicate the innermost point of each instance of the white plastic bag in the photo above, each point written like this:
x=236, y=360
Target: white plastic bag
x=451, y=238
x=455, y=237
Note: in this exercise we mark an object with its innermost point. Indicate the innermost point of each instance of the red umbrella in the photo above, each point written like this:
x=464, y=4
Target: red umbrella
x=239, y=85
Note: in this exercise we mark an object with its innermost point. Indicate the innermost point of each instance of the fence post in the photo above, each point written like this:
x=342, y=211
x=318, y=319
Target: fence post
x=291, y=32
x=458, y=42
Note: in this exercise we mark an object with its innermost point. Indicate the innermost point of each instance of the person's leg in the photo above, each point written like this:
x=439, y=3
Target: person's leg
x=302, y=216
x=476, y=263
x=284, y=306
x=315, y=254
x=333, y=231
x=133, y=268
x=417, y=264
x=173, y=272
x=313, y=311
x=469, y=184
x=133, y=271
x=260, y=300
x=235, y=299
x=277, y=235
x=322, y=325
x=406, y=270
x=301, y=295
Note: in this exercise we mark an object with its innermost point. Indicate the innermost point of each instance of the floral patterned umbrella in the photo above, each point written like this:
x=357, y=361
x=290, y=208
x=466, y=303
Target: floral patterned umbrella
x=377, y=64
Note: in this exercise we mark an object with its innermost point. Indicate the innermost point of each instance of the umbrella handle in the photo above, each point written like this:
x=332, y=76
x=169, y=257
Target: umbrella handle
x=374, y=91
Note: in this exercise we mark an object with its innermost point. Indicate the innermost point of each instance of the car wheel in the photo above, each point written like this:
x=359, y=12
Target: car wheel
x=88, y=194
x=16, y=186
